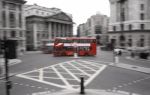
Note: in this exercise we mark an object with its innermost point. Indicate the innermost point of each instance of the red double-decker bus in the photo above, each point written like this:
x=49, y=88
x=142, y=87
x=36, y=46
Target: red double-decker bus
x=83, y=46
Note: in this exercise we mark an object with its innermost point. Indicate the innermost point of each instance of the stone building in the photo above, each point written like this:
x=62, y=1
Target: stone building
x=44, y=24
x=12, y=22
x=96, y=26
x=130, y=23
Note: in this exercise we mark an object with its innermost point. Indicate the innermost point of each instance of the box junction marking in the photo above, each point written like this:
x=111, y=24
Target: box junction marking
x=66, y=74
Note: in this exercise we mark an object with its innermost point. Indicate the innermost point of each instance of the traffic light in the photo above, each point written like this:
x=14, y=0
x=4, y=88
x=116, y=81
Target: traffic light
x=2, y=44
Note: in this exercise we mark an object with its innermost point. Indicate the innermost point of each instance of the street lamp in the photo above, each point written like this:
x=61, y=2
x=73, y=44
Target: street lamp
x=6, y=50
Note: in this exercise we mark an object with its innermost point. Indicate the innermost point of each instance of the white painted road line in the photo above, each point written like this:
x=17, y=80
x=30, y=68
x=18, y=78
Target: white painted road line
x=62, y=78
x=80, y=70
x=45, y=82
x=91, y=63
x=86, y=67
x=93, y=76
x=70, y=73
x=63, y=69
x=41, y=74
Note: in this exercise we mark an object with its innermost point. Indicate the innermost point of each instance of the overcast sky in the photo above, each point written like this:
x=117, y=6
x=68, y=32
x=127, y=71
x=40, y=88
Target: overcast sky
x=81, y=10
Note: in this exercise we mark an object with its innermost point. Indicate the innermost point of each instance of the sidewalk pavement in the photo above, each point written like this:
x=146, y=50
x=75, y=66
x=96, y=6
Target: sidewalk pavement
x=32, y=52
x=137, y=58
x=90, y=92
x=131, y=67
x=10, y=62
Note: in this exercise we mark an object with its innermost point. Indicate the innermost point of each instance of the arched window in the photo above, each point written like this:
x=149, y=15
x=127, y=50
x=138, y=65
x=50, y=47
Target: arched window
x=122, y=38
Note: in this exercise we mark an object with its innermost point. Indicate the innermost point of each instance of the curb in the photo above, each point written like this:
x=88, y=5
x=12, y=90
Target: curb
x=91, y=92
x=137, y=59
x=131, y=67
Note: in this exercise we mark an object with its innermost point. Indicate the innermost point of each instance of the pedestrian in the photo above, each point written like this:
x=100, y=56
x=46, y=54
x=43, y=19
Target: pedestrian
x=116, y=57
x=120, y=52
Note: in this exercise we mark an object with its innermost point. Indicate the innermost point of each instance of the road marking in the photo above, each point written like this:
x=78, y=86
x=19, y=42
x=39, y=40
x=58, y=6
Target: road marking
x=73, y=68
x=50, y=83
x=61, y=77
x=41, y=75
x=92, y=63
x=70, y=73
x=80, y=70
x=98, y=72
x=98, y=61
x=87, y=67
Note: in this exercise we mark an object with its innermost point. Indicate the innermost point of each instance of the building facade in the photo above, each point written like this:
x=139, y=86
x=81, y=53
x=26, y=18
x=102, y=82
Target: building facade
x=44, y=24
x=96, y=26
x=12, y=22
x=130, y=23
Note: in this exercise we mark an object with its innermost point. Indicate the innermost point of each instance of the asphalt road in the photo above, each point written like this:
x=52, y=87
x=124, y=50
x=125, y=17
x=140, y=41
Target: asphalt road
x=44, y=73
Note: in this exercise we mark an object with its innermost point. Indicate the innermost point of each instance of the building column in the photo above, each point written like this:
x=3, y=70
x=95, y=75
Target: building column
x=70, y=33
x=7, y=17
x=54, y=29
x=59, y=29
x=65, y=30
x=50, y=30
x=62, y=29
x=34, y=35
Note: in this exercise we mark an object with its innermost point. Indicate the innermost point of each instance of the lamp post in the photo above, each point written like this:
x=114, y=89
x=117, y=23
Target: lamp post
x=8, y=83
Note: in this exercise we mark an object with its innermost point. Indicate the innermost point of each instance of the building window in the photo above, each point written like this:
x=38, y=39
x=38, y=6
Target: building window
x=4, y=18
x=142, y=6
x=130, y=26
x=142, y=26
x=21, y=33
x=142, y=16
x=121, y=27
x=13, y=33
x=122, y=38
x=142, y=42
x=12, y=6
x=20, y=8
x=20, y=20
x=98, y=29
x=130, y=42
x=114, y=28
x=122, y=14
x=12, y=20
x=3, y=4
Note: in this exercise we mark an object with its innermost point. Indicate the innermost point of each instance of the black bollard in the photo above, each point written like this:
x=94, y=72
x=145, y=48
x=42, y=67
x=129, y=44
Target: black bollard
x=82, y=85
